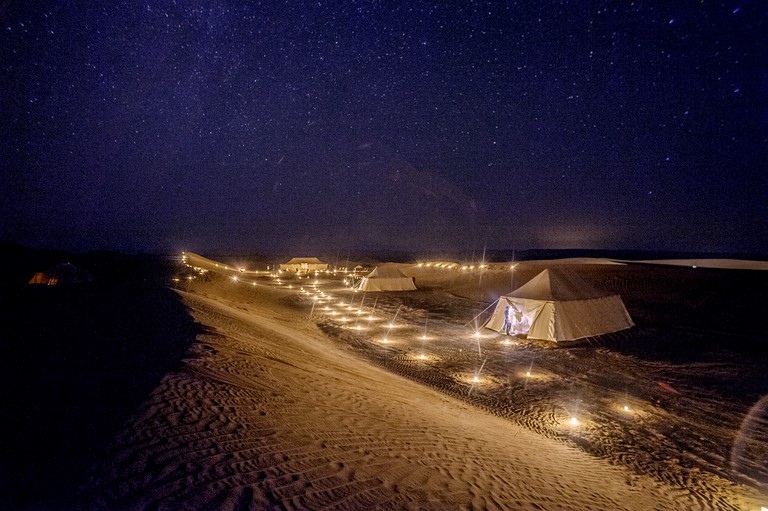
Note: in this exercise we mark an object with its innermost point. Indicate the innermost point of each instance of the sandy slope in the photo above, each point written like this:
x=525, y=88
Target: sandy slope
x=269, y=414
x=725, y=264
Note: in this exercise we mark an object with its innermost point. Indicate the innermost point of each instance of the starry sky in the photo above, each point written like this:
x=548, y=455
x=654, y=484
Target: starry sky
x=341, y=125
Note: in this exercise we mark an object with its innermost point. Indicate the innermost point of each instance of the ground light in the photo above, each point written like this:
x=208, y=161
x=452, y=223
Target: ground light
x=626, y=408
x=477, y=339
x=574, y=421
x=314, y=302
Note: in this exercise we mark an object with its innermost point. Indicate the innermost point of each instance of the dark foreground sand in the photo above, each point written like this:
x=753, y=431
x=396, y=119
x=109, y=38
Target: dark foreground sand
x=275, y=408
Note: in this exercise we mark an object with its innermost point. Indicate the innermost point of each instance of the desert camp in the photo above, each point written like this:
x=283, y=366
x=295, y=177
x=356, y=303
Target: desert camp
x=559, y=306
x=384, y=255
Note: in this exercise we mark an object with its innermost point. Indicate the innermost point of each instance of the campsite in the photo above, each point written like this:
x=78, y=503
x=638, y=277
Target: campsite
x=667, y=399
x=294, y=390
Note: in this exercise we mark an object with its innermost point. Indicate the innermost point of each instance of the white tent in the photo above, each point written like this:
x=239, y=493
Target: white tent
x=386, y=277
x=559, y=306
x=304, y=264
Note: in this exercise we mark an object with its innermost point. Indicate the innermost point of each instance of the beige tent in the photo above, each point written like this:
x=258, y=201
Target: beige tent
x=304, y=264
x=386, y=277
x=559, y=306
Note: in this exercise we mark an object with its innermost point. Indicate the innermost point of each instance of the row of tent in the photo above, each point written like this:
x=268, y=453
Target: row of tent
x=553, y=306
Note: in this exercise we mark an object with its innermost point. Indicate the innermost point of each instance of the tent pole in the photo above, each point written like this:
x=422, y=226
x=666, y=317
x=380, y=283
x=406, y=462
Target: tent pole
x=481, y=312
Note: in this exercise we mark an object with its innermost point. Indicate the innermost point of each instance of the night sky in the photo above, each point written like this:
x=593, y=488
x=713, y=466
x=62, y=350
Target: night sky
x=331, y=125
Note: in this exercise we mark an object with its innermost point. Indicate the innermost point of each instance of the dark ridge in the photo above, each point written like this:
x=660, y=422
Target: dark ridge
x=78, y=360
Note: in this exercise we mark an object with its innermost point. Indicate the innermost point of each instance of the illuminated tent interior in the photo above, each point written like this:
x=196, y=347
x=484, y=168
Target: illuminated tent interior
x=559, y=306
x=386, y=277
x=61, y=274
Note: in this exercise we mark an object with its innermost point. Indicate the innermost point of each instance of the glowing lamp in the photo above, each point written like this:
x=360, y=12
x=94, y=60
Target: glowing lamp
x=422, y=357
x=528, y=374
x=574, y=421
x=626, y=408
x=475, y=379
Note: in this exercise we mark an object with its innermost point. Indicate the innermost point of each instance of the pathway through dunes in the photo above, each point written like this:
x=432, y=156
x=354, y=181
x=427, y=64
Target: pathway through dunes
x=267, y=413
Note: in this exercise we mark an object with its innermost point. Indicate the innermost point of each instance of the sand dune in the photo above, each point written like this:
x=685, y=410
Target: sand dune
x=270, y=413
x=725, y=264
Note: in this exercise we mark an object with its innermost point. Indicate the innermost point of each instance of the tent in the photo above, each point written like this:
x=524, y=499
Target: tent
x=304, y=264
x=559, y=306
x=386, y=277
x=61, y=274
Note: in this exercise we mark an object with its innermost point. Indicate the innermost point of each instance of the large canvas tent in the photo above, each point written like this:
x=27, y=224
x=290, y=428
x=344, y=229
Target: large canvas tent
x=559, y=306
x=304, y=264
x=386, y=277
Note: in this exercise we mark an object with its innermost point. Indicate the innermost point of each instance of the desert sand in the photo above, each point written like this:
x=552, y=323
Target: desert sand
x=282, y=405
